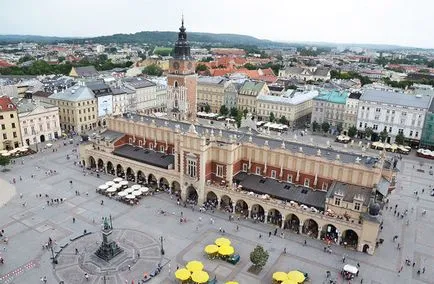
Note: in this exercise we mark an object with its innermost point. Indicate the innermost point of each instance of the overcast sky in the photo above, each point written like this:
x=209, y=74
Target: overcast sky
x=402, y=22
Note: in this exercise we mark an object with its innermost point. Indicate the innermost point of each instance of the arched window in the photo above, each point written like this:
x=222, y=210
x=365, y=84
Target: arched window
x=176, y=84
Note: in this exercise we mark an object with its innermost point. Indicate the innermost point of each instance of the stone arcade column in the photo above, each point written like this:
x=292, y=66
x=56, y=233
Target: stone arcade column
x=265, y=217
x=283, y=223
x=300, y=229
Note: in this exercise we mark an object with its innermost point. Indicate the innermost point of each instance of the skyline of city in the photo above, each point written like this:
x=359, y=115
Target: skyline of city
x=391, y=23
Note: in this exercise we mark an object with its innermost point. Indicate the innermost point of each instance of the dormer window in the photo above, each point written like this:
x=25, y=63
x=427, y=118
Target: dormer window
x=357, y=206
x=338, y=201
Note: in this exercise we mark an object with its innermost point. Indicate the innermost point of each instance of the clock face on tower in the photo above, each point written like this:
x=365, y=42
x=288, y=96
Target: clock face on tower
x=190, y=65
x=176, y=65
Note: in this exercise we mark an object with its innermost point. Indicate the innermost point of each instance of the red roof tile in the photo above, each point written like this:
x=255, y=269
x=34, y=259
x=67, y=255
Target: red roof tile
x=6, y=104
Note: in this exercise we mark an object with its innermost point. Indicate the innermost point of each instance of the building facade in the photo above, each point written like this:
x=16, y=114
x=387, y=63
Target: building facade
x=295, y=106
x=329, y=107
x=427, y=139
x=182, y=81
x=201, y=163
x=393, y=112
x=350, y=111
x=144, y=98
x=39, y=121
x=10, y=133
x=78, y=109
x=248, y=94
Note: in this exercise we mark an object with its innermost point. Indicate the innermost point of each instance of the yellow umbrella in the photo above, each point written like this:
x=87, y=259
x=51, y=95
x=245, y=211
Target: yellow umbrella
x=226, y=250
x=200, y=276
x=210, y=249
x=232, y=282
x=297, y=276
x=280, y=276
x=182, y=274
x=288, y=281
x=194, y=265
x=222, y=242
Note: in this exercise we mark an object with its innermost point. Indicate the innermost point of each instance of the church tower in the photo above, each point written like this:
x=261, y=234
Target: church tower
x=182, y=81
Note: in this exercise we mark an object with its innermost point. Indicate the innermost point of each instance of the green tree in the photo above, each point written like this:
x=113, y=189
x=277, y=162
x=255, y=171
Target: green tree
x=368, y=132
x=201, y=67
x=383, y=135
x=207, y=108
x=283, y=120
x=238, y=118
x=245, y=112
x=399, y=138
x=315, y=126
x=259, y=257
x=352, y=131
x=4, y=161
x=325, y=126
x=207, y=59
x=153, y=70
x=234, y=112
x=250, y=66
x=60, y=59
x=224, y=110
x=26, y=58
x=272, y=117
x=339, y=127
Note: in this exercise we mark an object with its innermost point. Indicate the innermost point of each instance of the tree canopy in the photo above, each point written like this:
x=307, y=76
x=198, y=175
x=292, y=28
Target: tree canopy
x=224, y=110
x=153, y=70
x=259, y=256
x=325, y=126
x=399, y=138
x=352, y=131
x=4, y=161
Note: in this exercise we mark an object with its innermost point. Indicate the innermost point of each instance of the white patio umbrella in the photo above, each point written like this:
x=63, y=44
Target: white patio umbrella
x=122, y=193
x=124, y=182
x=130, y=196
x=118, y=179
x=112, y=189
x=136, y=192
x=103, y=187
x=6, y=154
x=110, y=183
x=136, y=186
x=129, y=190
x=144, y=189
x=3, y=151
x=117, y=186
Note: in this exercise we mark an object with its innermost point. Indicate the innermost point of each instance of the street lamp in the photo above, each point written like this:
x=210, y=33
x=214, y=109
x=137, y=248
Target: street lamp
x=162, y=248
x=53, y=258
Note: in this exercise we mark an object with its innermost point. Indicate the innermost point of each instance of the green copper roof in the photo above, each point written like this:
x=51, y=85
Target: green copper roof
x=335, y=97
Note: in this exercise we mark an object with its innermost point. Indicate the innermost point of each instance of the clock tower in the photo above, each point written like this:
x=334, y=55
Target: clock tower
x=182, y=81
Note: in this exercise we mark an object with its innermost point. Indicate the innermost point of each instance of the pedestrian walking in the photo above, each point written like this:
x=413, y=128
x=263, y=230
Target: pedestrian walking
x=343, y=259
x=284, y=250
x=73, y=219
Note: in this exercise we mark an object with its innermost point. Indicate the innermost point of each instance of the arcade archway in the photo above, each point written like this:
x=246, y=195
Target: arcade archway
x=110, y=168
x=274, y=217
x=211, y=200
x=258, y=213
x=164, y=183
x=120, y=171
x=350, y=239
x=92, y=162
x=292, y=222
x=310, y=228
x=242, y=208
x=226, y=204
x=152, y=181
x=131, y=176
x=330, y=233
x=192, y=195
x=141, y=178
x=101, y=165
x=176, y=188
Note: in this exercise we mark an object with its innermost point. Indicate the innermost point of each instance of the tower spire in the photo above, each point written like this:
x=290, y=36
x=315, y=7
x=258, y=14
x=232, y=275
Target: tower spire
x=182, y=20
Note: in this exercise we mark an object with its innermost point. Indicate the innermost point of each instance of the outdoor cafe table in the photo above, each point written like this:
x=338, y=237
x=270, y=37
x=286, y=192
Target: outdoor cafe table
x=110, y=183
x=144, y=189
x=122, y=193
x=103, y=187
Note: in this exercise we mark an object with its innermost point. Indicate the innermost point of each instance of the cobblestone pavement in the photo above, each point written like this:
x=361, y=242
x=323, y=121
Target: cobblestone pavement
x=140, y=227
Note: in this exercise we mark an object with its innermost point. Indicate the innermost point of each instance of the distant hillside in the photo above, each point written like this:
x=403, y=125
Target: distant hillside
x=155, y=37
x=5, y=39
x=164, y=38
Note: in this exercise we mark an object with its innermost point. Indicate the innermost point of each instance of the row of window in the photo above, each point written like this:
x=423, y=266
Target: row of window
x=12, y=126
x=10, y=115
x=5, y=136
x=357, y=205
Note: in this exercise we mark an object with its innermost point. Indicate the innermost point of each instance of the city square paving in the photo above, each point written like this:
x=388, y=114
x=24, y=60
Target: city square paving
x=28, y=223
